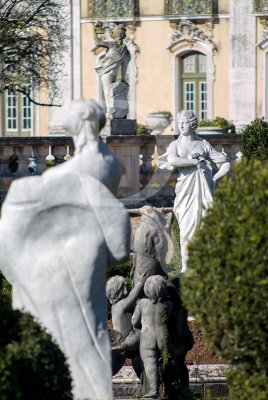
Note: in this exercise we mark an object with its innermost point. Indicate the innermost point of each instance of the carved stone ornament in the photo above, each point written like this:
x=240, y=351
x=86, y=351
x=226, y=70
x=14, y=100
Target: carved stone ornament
x=264, y=37
x=187, y=30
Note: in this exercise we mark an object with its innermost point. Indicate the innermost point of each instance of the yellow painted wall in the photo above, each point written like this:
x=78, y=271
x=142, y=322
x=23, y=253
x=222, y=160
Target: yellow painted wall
x=223, y=6
x=89, y=76
x=221, y=61
x=154, y=87
x=44, y=114
x=260, y=73
x=84, y=8
x=151, y=7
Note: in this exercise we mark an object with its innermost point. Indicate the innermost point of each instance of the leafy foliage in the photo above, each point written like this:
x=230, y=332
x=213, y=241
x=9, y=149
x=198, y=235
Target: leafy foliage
x=220, y=122
x=32, y=42
x=5, y=289
x=175, y=264
x=31, y=364
x=228, y=290
x=143, y=129
x=122, y=270
x=255, y=140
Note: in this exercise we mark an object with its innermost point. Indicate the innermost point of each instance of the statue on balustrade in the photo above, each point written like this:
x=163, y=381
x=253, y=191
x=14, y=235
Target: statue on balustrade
x=155, y=335
x=58, y=233
x=200, y=166
x=116, y=58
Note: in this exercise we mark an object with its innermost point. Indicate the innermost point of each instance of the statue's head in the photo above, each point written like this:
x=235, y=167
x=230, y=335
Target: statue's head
x=187, y=117
x=119, y=32
x=155, y=288
x=84, y=120
x=116, y=289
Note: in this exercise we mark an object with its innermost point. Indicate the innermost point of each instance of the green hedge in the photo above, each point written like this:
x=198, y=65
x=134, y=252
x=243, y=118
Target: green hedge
x=228, y=290
x=255, y=140
x=31, y=365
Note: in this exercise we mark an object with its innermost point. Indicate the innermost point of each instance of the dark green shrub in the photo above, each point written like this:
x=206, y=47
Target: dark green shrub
x=228, y=289
x=175, y=264
x=228, y=126
x=255, y=140
x=5, y=289
x=121, y=269
x=31, y=365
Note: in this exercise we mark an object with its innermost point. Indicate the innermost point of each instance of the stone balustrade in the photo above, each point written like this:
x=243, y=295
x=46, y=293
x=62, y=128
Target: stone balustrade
x=140, y=182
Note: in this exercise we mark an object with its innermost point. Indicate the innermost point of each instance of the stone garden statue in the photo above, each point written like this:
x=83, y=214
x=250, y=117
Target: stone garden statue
x=151, y=314
x=58, y=233
x=117, y=56
x=200, y=166
x=152, y=244
x=155, y=336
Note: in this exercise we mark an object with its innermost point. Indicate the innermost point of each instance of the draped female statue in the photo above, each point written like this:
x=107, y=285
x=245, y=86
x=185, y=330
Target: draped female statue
x=200, y=166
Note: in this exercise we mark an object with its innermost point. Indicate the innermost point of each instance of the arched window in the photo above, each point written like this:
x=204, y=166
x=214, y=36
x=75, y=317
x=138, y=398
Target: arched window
x=194, y=84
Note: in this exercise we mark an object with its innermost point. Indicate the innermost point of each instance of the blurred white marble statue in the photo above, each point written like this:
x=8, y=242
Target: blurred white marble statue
x=58, y=233
x=197, y=161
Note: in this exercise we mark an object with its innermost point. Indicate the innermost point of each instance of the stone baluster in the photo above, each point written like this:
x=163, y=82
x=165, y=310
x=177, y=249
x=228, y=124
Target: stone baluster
x=32, y=166
x=13, y=163
x=68, y=155
x=146, y=168
x=50, y=159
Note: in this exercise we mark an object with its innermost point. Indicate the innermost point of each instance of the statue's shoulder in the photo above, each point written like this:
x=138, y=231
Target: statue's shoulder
x=173, y=145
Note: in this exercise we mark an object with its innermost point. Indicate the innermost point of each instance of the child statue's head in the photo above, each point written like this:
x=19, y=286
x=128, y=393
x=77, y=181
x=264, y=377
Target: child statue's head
x=155, y=287
x=116, y=289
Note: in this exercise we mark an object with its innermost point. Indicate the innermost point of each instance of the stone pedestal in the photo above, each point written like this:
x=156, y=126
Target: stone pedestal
x=115, y=127
x=118, y=100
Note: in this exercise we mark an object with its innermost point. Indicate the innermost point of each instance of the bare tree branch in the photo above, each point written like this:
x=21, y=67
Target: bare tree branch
x=32, y=43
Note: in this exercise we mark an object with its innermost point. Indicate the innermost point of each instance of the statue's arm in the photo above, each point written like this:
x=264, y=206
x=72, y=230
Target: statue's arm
x=177, y=161
x=136, y=318
x=221, y=159
x=223, y=170
x=133, y=295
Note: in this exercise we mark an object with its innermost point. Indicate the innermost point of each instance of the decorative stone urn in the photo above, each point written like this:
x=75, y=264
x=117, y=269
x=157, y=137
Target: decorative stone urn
x=158, y=122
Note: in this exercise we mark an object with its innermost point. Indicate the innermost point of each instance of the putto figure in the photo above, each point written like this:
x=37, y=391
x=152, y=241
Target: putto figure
x=197, y=161
x=152, y=314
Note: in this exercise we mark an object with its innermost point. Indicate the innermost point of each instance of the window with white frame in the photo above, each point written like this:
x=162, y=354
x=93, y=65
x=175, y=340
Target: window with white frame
x=11, y=111
x=18, y=114
x=193, y=84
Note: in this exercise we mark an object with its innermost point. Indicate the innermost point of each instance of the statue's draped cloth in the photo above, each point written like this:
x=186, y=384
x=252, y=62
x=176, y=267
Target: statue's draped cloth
x=56, y=238
x=111, y=59
x=194, y=188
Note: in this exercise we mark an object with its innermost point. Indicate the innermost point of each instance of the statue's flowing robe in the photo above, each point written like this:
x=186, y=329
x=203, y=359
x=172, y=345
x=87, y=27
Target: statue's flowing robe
x=58, y=233
x=194, y=188
x=113, y=57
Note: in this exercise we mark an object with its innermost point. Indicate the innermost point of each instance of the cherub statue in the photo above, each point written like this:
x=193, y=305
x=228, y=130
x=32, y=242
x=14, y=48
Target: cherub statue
x=151, y=314
x=125, y=339
x=111, y=36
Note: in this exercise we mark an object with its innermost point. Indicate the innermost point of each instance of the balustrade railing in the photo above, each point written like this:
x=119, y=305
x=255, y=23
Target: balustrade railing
x=190, y=7
x=113, y=8
x=141, y=180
